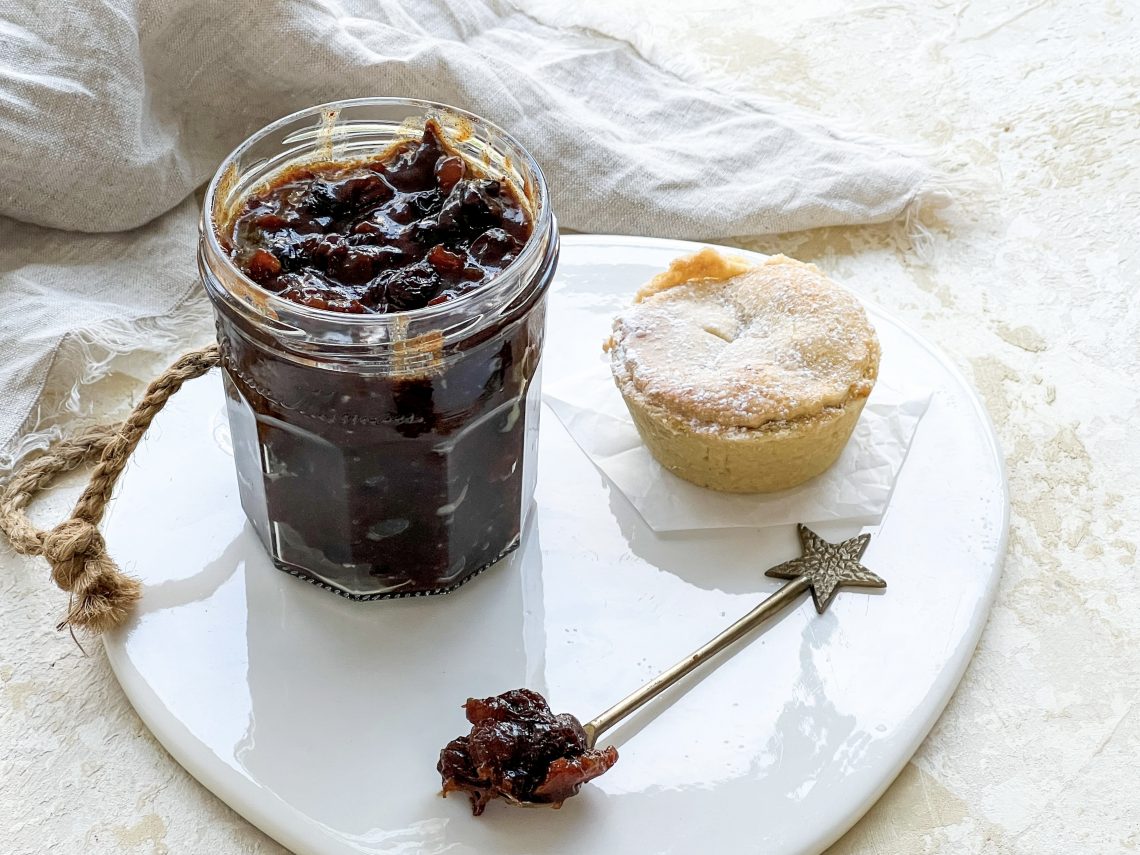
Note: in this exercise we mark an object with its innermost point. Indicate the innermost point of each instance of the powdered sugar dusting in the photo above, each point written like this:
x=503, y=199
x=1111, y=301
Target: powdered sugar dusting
x=775, y=343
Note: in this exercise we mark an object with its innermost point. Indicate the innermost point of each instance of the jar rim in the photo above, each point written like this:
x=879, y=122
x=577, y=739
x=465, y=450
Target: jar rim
x=272, y=304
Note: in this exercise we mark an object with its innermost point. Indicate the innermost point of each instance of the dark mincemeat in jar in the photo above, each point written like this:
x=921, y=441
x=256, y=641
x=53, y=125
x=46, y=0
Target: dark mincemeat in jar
x=380, y=471
x=417, y=226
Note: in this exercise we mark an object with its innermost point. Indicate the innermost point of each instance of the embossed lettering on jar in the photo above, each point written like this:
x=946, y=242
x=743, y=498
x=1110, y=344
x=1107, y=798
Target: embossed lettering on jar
x=380, y=296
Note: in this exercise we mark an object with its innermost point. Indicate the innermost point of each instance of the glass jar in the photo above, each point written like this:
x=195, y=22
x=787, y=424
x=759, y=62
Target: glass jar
x=382, y=455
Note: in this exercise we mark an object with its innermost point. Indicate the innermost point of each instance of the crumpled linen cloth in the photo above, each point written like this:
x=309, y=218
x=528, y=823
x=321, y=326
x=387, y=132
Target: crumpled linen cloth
x=113, y=113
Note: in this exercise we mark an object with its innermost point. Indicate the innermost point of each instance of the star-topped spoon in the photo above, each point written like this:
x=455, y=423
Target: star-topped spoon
x=519, y=751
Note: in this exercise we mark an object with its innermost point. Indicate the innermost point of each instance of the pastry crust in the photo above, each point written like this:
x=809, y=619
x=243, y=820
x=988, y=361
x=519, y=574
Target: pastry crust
x=744, y=378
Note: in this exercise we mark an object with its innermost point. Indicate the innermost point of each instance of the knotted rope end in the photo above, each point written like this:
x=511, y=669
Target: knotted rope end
x=104, y=605
x=102, y=596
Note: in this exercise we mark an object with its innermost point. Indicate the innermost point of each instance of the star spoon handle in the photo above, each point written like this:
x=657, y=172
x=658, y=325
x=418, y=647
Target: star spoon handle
x=572, y=759
x=599, y=725
x=822, y=569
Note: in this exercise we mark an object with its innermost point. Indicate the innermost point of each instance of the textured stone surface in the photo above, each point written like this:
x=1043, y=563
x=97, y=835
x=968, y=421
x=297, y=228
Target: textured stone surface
x=1030, y=285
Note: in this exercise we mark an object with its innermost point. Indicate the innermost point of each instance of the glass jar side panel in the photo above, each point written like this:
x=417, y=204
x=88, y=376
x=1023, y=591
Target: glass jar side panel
x=383, y=486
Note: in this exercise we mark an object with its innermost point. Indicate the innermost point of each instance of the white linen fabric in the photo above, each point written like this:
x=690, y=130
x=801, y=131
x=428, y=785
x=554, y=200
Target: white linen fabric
x=113, y=113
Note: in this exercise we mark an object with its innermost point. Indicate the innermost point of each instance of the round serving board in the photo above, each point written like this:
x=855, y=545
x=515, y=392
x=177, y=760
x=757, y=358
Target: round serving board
x=320, y=720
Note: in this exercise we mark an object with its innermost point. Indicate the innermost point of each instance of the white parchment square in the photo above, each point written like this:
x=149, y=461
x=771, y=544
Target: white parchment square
x=856, y=488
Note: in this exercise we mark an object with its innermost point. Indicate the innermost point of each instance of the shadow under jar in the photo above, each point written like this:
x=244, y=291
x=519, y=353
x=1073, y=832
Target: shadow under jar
x=381, y=451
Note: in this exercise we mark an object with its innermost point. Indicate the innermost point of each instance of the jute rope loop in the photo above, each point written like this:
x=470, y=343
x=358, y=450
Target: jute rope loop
x=102, y=596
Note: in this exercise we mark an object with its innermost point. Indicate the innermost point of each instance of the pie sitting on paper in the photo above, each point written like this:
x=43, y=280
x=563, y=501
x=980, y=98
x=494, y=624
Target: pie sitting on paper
x=740, y=377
